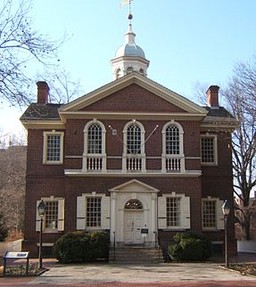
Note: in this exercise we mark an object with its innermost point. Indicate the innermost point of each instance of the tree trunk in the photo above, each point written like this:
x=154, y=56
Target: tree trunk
x=246, y=234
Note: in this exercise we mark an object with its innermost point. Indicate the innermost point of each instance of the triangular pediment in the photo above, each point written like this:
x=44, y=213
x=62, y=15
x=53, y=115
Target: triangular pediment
x=176, y=102
x=134, y=186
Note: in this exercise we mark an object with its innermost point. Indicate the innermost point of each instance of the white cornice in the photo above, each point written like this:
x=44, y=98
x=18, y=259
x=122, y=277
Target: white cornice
x=129, y=116
x=43, y=124
x=80, y=173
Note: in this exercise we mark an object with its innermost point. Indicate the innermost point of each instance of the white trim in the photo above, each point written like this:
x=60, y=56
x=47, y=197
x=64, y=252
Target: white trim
x=45, y=146
x=119, y=173
x=81, y=211
x=215, y=149
x=61, y=214
x=140, y=156
x=179, y=157
x=102, y=156
x=219, y=217
x=126, y=81
x=184, y=211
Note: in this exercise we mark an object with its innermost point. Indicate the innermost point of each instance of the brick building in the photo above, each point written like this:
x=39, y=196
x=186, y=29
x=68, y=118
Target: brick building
x=129, y=156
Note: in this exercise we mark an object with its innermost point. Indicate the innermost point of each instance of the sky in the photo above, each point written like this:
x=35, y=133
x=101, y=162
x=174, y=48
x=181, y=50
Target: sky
x=186, y=41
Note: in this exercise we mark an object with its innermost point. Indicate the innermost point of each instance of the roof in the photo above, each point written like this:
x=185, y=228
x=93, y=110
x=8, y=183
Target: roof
x=37, y=111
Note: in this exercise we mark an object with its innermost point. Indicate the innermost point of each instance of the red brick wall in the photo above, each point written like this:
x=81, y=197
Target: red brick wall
x=133, y=99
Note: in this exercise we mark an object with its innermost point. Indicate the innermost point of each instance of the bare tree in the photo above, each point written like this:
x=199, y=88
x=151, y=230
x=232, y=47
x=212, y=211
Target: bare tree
x=12, y=184
x=62, y=88
x=240, y=95
x=20, y=46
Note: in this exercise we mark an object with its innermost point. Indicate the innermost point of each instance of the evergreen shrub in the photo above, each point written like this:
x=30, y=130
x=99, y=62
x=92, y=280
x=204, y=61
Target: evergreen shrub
x=190, y=246
x=82, y=246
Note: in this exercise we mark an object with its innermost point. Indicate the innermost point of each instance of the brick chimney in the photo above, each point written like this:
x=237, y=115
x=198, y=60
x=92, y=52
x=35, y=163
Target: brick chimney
x=42, y=92
x=213, y=96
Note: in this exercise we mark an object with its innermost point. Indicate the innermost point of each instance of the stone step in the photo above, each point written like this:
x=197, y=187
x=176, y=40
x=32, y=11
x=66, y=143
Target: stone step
x=135, y=255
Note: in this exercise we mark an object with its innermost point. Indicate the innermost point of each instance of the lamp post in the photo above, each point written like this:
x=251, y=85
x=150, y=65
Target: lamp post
x=226, y=211
x=41, y=211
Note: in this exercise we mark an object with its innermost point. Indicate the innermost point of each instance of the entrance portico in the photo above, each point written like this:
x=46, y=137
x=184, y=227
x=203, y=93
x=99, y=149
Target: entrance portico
x=133, y=208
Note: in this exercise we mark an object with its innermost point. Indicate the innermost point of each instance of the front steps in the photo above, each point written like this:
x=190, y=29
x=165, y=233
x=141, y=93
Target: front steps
x=135, y=255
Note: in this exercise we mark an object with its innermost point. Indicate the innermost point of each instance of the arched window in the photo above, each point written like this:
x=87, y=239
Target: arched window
x=94, y=139
x=173, y=157
x=94, y=157
x=133, y=139
x=172, y=139
x=133, y=204
x=129, y=70
x=118, y=73
x=134, y=149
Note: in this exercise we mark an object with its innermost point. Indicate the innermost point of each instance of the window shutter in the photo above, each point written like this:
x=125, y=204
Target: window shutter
x=219, y=214
x=80, y=220
x=38, y=219
x=185, y=212
x=161, y=212
x=60, y=214
x=105, y=212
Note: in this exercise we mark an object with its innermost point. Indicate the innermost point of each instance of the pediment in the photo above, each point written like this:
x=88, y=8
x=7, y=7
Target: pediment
x=99, y=99
x=134, y=186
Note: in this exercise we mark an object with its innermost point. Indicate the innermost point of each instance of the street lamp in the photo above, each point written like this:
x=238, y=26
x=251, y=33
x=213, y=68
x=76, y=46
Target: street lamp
x=226, y=210
x=41, y=211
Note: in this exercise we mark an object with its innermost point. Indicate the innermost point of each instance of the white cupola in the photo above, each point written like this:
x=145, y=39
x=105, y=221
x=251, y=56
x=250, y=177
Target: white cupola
x=129, y=57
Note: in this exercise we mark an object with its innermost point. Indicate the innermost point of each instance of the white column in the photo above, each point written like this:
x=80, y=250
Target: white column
x=113, y=218
x=154, y=215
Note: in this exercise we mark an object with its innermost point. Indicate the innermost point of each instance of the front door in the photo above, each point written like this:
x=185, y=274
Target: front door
x=132, y=227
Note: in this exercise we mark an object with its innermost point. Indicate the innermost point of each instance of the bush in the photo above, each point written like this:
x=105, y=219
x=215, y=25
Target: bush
x=82, y=246
x=190, y=247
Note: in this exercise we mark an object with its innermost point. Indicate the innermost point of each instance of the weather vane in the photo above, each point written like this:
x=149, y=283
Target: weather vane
x=128, y=2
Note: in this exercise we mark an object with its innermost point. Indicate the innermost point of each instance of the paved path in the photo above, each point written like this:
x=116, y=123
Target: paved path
x=161, y=275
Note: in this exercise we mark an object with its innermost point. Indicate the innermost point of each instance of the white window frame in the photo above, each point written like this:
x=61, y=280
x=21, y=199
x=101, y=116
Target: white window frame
x=218, y=214
x=81, y=211
x=45, y=146
x=215, y=149
x=60, y=219
x=184, y=212
x=140, y=156
x=95, y=157
x=179, y=159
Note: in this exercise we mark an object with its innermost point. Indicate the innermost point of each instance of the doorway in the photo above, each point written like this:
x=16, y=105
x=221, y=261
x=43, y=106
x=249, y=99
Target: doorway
x=133, y=217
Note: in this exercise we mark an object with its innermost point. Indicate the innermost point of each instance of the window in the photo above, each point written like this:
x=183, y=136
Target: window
x=212, y=216
x=209, y=214
x=133, y=139
x=172, y=141
x=93, y=211
x=133, y=204
x=53, y=220
x=134, y=159
x=94, y=157
x=173, y=159
x=173, y=211
x=94, y=138
x=209, y=150
x=51, y=215
x=53, y=147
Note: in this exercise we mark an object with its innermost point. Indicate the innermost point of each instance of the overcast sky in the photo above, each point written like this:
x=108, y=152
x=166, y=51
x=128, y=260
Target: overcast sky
x=186, y=41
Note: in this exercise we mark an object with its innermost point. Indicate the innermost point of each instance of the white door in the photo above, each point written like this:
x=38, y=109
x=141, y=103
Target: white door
x=132, y=227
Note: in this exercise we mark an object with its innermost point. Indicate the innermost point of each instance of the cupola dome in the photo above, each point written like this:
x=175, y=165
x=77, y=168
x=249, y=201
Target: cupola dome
x=129, y=57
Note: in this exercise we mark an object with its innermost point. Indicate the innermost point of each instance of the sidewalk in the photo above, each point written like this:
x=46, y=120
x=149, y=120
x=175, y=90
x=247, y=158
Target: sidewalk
x=175, y=274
